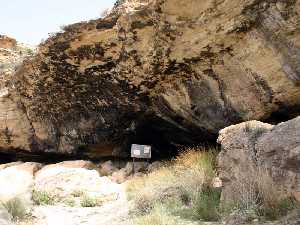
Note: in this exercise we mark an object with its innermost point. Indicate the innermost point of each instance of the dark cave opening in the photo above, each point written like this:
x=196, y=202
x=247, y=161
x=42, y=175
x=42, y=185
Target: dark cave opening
x=13, y=155
x=283, y=114
x=167, y=139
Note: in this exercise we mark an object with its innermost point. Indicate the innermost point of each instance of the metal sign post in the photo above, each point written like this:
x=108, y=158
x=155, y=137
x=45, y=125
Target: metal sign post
x=140, y=152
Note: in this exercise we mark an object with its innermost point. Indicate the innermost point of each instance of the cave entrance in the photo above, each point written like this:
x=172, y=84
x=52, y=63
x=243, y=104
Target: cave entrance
x=167, y=139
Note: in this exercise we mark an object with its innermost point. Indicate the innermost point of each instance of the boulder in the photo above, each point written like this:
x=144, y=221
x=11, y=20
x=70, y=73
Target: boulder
x=266, y=154
x=17, y=181
x=63, y=182
x=120, y=176
x=125, y=173
x=107, y=168
x=84, y=164
x=138, y=167
x=3, y=166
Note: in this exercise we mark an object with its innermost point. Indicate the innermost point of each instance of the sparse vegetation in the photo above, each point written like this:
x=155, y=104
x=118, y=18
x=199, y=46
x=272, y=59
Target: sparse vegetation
x=181, y=190
x=16, y=208
x=160, y=215
x=77, y=193
x=29, y=51
x=255, y=130
x=88, y=201
x=206, y=205
x=256, y=193
x=42, y=198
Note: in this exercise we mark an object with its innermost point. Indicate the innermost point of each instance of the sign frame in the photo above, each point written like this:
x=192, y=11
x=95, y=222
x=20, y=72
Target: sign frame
x=141, y=151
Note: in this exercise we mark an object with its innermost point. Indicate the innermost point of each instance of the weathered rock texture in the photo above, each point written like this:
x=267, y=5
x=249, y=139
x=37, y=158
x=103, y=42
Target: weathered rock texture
x=158, y=71
x=14, y=123
x=268, y=155
x=12, y=54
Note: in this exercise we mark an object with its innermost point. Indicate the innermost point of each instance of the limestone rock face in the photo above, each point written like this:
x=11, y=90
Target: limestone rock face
x=261, y=151
x=158, y=71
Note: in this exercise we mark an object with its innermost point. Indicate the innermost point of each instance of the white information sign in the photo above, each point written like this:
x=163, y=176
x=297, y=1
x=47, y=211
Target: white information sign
x=141, y=151
x=137, y=152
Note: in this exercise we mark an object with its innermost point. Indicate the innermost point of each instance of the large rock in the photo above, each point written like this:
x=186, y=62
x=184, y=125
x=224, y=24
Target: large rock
x=17, y=181
x=157, y=71
x=266, y=154
x=63, y=182
x=107, y=168
x=84, y=164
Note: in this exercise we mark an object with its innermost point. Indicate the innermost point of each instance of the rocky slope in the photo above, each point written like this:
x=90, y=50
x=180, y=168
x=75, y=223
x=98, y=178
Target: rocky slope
x=157, y=71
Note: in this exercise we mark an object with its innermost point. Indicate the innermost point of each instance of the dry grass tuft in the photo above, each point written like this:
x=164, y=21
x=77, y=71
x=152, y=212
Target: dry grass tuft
x=256, y=192
x=43, y=198
x=181, y=182
x=89, y=201
x=16, y=208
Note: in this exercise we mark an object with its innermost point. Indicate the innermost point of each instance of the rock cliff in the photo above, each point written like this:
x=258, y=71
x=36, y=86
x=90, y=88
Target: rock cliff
x=168, y=72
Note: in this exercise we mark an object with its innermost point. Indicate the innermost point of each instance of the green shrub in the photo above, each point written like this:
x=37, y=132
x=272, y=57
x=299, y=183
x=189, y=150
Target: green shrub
x=42, y=198
x=29, y=51
x=87, y=201
x=16, y=208
x=206, y=205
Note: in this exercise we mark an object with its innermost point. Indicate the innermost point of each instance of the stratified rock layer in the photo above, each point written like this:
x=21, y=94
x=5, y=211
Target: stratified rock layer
x=159, y=71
